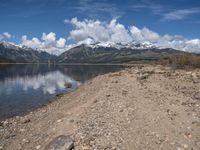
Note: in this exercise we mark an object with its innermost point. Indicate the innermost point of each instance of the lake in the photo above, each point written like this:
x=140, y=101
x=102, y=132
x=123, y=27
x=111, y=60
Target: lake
x=26, y=87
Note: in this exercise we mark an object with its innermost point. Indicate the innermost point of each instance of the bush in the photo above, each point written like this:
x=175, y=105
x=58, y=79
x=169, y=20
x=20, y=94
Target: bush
x=182, y=60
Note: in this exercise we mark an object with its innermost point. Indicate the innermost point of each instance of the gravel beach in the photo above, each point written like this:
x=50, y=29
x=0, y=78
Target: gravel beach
x=143, y=107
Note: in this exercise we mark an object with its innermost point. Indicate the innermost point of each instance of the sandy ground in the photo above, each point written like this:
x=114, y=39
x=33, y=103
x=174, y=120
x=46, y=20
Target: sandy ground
x=139, y=108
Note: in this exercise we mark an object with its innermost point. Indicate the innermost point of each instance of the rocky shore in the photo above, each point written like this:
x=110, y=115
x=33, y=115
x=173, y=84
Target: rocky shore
x=141, y=107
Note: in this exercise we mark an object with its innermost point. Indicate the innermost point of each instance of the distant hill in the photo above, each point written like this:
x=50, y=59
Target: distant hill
x=116, y=53
x=13, y=53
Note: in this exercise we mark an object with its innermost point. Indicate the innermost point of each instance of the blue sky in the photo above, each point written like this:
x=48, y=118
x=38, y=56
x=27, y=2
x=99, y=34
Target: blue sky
x=34, y=17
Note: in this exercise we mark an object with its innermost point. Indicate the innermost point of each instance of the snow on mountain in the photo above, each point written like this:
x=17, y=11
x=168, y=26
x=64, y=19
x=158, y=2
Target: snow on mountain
x=20, y=53
x=119, y=46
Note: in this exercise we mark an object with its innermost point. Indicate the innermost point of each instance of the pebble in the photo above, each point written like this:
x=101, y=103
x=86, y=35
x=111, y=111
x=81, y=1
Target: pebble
x=85, y=148
x=5, y=123
x=24, y=120
x=25, y=141
x=108, y=95
x=38, y=147
x=121, y=110
x=95, y=101
x=44, y=111
x=59, y=120
x=179, y=148
x=185, y=146
x=71, y=120
x=22, y=130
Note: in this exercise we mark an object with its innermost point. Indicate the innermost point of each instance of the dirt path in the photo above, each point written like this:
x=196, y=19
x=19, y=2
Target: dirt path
x=148, y=107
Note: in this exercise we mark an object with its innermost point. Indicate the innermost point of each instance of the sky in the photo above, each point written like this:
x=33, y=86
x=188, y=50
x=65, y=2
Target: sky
x=57, y=25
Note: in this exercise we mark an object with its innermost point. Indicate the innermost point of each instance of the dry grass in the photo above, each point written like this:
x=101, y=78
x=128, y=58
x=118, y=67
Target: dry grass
x=184, y=60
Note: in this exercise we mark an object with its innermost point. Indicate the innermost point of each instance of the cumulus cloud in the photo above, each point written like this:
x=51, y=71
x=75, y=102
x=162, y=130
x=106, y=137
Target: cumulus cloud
x=61, y=43
x=48, y=42
x=5, y=35
x=96, y=31
x=144, y=34
x=93, y=31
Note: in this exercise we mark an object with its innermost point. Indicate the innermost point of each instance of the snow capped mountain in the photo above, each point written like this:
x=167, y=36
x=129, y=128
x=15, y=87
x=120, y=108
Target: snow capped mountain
x=10, y=52
x=10, y=45
x=115, y=53
x=119, y=46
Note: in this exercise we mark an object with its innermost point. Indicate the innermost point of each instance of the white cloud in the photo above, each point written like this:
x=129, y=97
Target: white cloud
x=92, y=31
x=118, y=33
x=33, y=43
x=48, y=43
x=180, y=14
x=144, y=34
x=5, y=35
x=49, y=38
x=61, y=43
x=98, y=31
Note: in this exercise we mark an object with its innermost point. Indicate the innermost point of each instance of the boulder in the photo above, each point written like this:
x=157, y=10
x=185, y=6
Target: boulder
x=68, y=85
x=61, y=142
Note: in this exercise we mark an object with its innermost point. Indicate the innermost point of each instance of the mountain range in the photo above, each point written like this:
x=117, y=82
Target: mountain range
x=10, y=52
x=92, y=53
x=115, y=53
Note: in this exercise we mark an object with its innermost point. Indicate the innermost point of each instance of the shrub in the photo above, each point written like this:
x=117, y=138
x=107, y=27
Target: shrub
x=182, y=60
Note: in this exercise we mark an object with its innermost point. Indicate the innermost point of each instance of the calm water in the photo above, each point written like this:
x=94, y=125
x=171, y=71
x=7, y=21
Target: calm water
x=25, y=87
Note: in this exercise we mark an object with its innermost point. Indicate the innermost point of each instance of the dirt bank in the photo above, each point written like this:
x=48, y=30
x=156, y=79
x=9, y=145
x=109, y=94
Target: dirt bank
x=143, y=107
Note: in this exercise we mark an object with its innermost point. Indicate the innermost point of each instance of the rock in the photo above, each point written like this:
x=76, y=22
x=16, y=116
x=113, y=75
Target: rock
x=95, y=101
x=121, y=110
x=115, y=74
x=71, y=120
x=197, y=96
x=59, y=120
x=25, y=120
x=44, y=111
x=61, y=142
x=68, y=85
x=38, y=147
x=194, y=77
x=25, y=141
x=85, y=148
x=22, y=130
x=179, y=148
x=185, y=146
x=5, y=123
x=124, y=92
x=59, y=95
x=143, y=76
x=108, y=95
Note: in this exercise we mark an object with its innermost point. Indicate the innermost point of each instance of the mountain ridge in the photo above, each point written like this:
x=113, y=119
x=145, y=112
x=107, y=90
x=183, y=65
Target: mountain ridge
x=88, y=53
x=118, y=53
x=10, y=52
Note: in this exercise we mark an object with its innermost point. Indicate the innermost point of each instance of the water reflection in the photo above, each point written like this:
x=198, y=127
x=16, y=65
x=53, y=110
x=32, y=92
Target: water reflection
x=48, y=83
x=25, y=87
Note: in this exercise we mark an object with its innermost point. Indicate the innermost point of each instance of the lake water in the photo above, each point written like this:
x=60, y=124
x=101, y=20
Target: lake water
x=26, y=87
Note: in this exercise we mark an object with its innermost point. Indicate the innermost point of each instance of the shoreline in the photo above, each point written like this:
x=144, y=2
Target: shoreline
x=72, y=64
x=128, y=109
